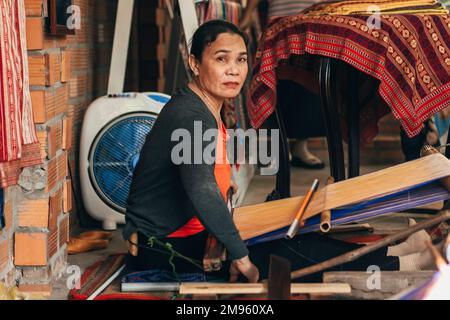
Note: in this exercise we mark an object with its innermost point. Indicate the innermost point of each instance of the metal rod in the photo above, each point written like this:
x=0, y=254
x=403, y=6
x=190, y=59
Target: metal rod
x=150, y=287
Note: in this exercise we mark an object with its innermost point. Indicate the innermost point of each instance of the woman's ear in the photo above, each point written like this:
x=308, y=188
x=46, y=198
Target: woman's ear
x=193, y=64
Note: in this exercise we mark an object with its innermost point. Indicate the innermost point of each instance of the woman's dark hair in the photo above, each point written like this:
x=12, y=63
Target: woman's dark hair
x=208, y=32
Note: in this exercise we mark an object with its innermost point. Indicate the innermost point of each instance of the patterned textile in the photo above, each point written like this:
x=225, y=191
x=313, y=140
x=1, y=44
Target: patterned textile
x=2, y=217
x=281, y=8
x=409, y=54
x=18, y=141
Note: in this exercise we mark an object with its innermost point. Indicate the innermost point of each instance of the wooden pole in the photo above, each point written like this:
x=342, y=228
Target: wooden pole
x=355, y=254
x=325, y=217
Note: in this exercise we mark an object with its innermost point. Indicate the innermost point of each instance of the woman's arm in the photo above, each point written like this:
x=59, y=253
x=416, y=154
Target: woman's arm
x=201, y=187
x=247, y=15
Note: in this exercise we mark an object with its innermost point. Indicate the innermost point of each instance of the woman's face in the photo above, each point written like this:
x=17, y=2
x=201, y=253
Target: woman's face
x=223, y=68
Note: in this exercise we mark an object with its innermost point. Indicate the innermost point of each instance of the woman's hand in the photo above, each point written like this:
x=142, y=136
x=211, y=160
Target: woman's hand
x=246, y=267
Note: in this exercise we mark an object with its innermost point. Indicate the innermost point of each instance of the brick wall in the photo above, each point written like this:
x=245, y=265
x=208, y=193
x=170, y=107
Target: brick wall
x=66, y=74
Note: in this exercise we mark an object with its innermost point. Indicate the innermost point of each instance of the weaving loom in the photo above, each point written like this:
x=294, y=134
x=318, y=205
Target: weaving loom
x=401, y=187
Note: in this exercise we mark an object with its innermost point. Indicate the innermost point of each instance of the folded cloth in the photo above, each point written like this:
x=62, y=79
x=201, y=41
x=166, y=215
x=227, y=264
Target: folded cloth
x=383, y=6
x=156, y=275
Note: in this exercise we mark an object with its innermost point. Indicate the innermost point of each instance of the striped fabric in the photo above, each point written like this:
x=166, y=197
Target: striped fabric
x=280, y=8
x=19, y=146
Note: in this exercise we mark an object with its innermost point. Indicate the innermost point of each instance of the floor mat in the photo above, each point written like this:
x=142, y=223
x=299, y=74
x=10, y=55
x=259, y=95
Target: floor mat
x=100, y=272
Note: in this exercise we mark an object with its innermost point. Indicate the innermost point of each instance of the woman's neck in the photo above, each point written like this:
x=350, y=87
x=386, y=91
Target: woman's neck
x=214, y=104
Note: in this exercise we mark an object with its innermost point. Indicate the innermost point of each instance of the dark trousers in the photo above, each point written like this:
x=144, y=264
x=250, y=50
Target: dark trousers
x=300, y=110
x=302, y=251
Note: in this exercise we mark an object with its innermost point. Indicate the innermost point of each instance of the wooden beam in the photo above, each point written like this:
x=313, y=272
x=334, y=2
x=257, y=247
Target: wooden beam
x=261, y=288
x=390, y=282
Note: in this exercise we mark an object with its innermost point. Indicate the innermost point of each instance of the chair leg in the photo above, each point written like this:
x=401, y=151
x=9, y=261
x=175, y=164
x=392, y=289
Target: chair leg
x=331, y=119
x=283, y=180
x=447, y=149
x=353, y=124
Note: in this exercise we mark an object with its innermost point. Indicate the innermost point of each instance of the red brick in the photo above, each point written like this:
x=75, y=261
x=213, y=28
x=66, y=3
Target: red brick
x=4, y=254
x=39, y=110
x=33, y=8
x=30, y=249
x=55, y=209
x=67, y=196
x=61, y=96
x=53, y=242
x=67, y=133
x=65, y=66
x=62, y=166
x=53, y=62
x=38, y=289
x=8, y=213
x=42, y=138
x=33, y=213
x=54, y=139
x=52, y=174
x=64, y=231
x=37, y=71
x=35, y=34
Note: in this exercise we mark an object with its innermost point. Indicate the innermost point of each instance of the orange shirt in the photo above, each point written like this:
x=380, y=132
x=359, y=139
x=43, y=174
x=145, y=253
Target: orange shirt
x=222, y=173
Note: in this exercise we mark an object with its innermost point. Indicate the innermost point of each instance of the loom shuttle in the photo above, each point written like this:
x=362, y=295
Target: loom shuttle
x=298, y=218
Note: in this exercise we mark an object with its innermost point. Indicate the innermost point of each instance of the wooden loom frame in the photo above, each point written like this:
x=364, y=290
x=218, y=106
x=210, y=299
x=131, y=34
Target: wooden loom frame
x=256, y=220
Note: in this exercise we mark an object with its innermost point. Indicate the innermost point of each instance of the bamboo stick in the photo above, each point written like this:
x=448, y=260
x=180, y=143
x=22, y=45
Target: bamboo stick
x=259, y=219
x=355, y=254
x=325, y=217
x=260, y=288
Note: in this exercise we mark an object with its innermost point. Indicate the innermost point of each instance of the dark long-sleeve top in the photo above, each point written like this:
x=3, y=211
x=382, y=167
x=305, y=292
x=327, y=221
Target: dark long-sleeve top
x=165, y=195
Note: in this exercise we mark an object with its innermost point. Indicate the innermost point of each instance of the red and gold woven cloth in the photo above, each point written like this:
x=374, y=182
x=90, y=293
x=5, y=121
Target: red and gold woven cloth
x=19, y=145
x=409, y=54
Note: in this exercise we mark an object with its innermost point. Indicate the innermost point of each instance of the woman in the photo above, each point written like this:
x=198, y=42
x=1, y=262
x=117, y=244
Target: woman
x=302, y=120
x=178, y=198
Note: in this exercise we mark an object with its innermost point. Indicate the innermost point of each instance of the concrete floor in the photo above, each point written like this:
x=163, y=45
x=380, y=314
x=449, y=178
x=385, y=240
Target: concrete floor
x=257, y=192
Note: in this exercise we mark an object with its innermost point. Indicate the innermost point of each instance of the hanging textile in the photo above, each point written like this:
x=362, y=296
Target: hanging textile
x=19, y=146
x=224, y=9
x=408, y=54
x=2, y=216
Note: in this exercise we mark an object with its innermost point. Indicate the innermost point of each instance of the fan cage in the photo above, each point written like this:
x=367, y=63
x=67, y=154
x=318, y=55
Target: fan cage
x=114, y=154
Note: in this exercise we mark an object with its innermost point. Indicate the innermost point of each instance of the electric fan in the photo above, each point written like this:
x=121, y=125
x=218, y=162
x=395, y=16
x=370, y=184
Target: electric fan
x=113, y=133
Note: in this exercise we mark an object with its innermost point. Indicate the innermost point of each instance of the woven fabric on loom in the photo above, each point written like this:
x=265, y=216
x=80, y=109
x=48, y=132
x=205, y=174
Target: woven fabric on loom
x=409, y=54
x=19, y=146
